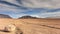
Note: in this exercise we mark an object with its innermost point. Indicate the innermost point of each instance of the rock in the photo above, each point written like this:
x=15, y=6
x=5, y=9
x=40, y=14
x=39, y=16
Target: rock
x=10, y=28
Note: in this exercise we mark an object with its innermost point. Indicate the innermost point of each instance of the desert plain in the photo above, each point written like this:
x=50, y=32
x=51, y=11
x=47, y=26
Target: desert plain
x=32, y=26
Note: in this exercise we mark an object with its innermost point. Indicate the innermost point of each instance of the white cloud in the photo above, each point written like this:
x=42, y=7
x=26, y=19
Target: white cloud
x=32, y=4
x=12, y=1
x=36, y=3
x=41, y=3
x=17, y=15
x=47, y=14
x=50, y=14
x=15, y=10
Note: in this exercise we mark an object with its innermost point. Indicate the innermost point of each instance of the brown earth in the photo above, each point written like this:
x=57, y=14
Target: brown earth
x=32, y=26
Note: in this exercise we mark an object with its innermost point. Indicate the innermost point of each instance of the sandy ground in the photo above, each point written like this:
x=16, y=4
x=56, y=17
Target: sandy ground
x=32, y=26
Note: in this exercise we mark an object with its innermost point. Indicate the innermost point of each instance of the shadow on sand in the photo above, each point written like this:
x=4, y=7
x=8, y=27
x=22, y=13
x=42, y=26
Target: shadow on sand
x=4, y=31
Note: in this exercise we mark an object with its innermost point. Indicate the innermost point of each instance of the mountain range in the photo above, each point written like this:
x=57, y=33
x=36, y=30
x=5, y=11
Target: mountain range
x=27, y=17
x=4, y=16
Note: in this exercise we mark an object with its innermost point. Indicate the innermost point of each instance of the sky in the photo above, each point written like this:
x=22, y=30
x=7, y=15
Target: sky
x=35, y=8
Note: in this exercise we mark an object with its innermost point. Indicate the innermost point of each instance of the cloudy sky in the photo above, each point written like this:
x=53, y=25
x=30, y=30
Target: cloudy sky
x=37, y=8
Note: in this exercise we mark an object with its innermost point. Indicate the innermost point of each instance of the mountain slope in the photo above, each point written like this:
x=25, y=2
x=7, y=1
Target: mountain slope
x=24, y=17
x=4, y=16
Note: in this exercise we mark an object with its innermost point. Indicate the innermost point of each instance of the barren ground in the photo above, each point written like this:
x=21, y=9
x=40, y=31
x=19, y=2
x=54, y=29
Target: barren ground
x=32, y=26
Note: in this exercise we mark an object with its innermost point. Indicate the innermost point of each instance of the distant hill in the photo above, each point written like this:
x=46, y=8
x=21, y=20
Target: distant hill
x=4, y=16
x=27, y=17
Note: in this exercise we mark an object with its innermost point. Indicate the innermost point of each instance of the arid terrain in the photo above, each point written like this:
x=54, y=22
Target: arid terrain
x=32, y=26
